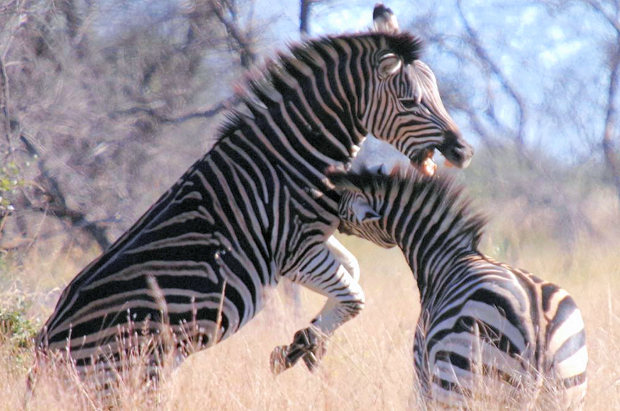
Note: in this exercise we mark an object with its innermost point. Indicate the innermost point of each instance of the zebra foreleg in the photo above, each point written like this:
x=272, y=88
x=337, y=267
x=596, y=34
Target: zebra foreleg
x=309, y=344
x=345, y=257
x=329, y=275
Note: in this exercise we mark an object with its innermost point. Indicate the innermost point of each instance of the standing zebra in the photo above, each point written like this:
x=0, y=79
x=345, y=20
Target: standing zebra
x=481, y=322
x=256, y=207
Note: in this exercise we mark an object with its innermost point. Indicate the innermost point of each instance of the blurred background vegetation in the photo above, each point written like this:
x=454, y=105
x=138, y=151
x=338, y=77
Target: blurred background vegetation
x=104, y=104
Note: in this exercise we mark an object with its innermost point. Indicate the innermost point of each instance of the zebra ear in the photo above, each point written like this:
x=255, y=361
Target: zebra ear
x=384, y=20
x=389, y=65
x=340, y=180
x=362, y=212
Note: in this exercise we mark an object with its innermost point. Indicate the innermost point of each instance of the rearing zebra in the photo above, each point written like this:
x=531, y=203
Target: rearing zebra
x=256, y=207
x=482, y=323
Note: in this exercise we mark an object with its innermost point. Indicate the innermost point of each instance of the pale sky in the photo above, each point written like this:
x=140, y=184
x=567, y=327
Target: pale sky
x=541, y=53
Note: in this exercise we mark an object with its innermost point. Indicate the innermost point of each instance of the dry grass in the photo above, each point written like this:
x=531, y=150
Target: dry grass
x=369, y=360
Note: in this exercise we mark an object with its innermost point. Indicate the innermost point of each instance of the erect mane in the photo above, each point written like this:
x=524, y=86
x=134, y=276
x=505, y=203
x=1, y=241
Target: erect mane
x=406, y=45
x=259, y=82
x=409, y=180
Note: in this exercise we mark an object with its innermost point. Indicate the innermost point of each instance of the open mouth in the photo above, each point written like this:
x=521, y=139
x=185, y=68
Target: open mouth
x=425, y=164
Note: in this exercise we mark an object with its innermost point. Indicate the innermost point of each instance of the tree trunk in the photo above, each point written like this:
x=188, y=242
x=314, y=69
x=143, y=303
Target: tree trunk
x=304, y=18
x=610, y=117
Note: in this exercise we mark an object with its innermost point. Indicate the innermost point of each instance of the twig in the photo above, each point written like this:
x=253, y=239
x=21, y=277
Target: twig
x=4, y=105
x=220, y=309
x=211, y=112
x=5, y=92
x=610, y=114
x=304, y=17
x=244, y=44
x=60, y=209
x=613, y=21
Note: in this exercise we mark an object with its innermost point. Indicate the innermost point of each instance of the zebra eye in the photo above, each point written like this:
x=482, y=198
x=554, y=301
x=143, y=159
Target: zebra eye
x=389, y=65
x=409, y=103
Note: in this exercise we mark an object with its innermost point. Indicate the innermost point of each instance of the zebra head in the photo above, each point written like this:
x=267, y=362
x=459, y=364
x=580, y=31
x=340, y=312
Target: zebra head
x=359, y=211
x=404, y=107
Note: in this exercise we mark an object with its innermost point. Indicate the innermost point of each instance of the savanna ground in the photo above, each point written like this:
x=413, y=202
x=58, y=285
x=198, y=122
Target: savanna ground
x=369, y=360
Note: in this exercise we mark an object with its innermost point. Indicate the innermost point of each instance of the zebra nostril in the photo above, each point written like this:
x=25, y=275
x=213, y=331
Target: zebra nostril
x=456, y=150
x=455, y=155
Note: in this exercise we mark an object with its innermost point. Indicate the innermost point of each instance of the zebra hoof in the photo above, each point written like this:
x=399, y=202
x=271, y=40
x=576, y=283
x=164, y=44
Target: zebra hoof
x=277, y=360
x=308, y=344
x=313, y=357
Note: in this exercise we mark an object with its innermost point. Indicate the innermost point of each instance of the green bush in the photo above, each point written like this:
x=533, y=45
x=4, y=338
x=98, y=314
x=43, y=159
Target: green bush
x=10, y=181
x=17, y=332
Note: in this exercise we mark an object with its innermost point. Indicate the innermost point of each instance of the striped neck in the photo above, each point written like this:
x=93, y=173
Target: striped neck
x=317, y=96
x=308, y=99
x=427, y=218
x=432, y=228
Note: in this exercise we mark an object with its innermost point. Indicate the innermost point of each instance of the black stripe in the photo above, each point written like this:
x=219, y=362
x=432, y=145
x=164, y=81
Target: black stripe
x=569, y=347
x=574, y=380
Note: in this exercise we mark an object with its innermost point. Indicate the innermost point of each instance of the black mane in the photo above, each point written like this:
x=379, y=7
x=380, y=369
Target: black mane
x=406, y=45
x=441, y=186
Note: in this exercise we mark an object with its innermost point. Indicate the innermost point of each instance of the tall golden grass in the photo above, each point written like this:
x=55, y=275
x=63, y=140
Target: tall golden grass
x=369, y=360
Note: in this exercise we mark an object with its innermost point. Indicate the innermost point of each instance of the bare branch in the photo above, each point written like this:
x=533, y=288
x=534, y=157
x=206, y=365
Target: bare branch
x=208, y=113
x=4, y=109
x=608, y=134
x=304, y=17
x=58, y=204
x=243, y=42
x=67, y=7
x=5, y=94
x=612, y=20
x=478, y=126
x=505, y=83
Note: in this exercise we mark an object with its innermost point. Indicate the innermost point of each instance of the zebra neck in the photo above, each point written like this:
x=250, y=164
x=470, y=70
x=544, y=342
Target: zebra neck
x=443, y=270
x=299, y=145
x=306, y=104
x=331, y=129
x=432, y=270
x=316, y=141
x=434, y=248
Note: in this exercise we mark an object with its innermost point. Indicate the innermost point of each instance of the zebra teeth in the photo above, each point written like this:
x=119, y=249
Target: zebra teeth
x=425, y=163
x=428, y=167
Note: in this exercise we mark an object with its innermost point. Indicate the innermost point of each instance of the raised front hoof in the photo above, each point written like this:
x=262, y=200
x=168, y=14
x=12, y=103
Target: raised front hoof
x=308, y=344
x=277, y=360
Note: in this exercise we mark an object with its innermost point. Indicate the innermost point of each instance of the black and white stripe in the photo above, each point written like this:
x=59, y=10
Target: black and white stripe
x=483, y=324
x=256, y=207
